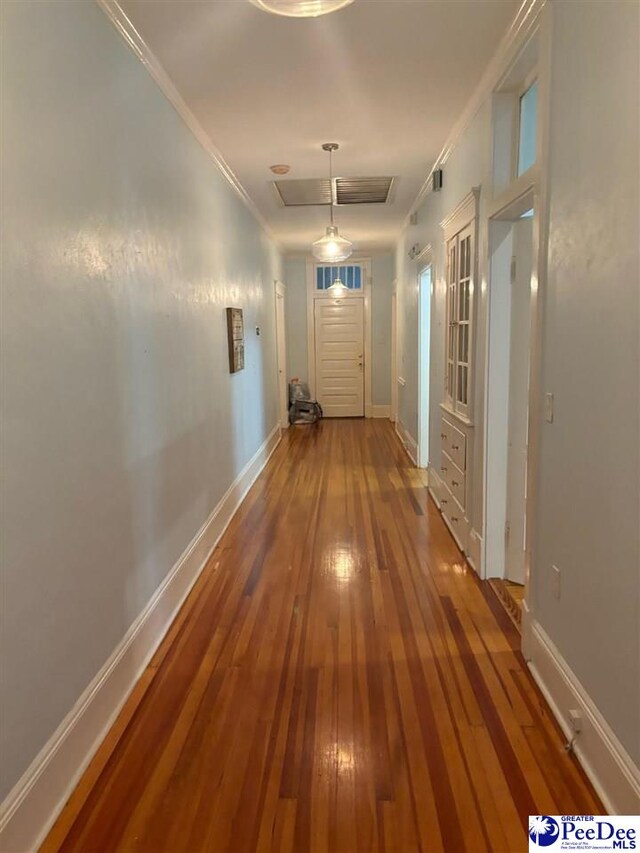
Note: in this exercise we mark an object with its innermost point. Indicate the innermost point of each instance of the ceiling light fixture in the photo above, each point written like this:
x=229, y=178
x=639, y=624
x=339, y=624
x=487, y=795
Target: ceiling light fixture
x=332, y=247
x=301, y=8
x=280, y=169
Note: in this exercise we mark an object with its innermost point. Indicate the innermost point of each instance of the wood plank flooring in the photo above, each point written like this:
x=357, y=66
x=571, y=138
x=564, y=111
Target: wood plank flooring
x=338, y=680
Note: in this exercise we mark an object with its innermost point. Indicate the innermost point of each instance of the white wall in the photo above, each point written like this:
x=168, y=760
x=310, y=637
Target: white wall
x=382, y=272
x=589, y=477
x=122, y=428
x=588, y=480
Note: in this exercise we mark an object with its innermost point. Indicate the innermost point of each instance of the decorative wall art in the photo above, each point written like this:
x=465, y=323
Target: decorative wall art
x=235, y=334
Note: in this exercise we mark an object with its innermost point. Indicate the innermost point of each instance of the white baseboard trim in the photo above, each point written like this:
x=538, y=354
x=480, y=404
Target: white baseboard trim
x=605, y=761
x=33, y=805
x=378, y=411
x=408, y=442
x=475, y=550
x=435, y=484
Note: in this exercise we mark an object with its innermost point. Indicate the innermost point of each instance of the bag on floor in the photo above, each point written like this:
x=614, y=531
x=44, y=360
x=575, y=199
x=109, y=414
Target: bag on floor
x=302, y=409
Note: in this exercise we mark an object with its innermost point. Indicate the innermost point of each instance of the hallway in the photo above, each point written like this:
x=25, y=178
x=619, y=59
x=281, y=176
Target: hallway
x=338, y=680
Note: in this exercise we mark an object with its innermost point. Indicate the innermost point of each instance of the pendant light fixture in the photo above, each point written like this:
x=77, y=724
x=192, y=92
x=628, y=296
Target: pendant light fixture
x=332, y=247
x=301, y=8
x=338, y=287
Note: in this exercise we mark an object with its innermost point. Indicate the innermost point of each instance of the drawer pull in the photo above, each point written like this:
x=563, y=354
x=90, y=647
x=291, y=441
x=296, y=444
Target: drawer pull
x=443, y=435
x=454, y=518
x=444, y=501
x=455, y=447
x=443, y=468
x=455, y=483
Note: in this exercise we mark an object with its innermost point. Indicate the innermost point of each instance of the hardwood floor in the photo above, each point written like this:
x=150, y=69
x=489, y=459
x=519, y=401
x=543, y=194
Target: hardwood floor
x=338, y=680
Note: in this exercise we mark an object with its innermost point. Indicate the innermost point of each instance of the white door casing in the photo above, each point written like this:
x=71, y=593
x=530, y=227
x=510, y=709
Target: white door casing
x=281, y=352
x=339, y=338
x=425, y=277
x=394, y=353
x=518, y=401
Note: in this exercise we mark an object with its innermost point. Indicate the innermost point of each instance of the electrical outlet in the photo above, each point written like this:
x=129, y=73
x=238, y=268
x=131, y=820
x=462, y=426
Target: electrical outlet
x=548, y=408
x=555, y=581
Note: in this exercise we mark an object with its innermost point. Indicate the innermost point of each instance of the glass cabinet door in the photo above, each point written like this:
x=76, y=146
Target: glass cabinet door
x=460, y=256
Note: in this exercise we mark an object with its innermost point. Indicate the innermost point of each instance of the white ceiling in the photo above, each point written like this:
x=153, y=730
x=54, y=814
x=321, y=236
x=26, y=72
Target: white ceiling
x=385, y=78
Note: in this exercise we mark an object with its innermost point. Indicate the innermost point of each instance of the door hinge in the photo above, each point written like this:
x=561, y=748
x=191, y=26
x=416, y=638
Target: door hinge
x=513, y=269
x=507, y=532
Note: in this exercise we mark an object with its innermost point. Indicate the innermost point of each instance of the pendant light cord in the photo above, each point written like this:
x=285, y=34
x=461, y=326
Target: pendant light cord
x=331, y=183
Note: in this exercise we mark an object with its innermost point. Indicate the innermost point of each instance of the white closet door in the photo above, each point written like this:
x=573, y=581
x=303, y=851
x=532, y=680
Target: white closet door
x=339, y=332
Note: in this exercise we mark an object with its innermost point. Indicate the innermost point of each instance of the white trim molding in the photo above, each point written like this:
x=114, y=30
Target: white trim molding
x=475, y=551
x=435, y=485
x=512, y=42
x=408, y=442
x=380, y=411
x=33, y=805
x=462, y=215
x=141, y=49
x=605, y=761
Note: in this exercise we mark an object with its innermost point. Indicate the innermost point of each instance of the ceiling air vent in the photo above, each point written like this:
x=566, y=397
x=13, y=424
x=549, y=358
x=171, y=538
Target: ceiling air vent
x=295, y=193
x=363, y=190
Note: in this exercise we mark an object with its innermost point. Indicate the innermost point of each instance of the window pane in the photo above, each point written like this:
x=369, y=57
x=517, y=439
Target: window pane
x=528, y=125
x=319, y=279
x=357, y=278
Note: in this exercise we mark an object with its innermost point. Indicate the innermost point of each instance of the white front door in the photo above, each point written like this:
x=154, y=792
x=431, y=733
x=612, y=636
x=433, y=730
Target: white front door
x=339, y=334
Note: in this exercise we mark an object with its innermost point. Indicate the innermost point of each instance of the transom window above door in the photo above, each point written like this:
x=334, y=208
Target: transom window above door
x=350, y=275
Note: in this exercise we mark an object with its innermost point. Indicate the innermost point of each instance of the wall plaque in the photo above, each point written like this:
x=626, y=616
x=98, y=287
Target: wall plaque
x=235, y=334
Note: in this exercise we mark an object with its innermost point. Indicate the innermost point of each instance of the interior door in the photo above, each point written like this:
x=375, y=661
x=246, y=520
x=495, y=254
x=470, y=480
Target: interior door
x=339, y=334
x=518, y=400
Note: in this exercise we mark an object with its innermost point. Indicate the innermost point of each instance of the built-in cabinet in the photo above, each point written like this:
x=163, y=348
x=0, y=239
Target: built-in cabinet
x=454, y=497
x=452, y=488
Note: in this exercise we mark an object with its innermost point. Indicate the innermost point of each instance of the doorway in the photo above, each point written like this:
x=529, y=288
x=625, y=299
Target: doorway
x=339, y=356
x=511, y=252
x=424, y=348
x=281, y=355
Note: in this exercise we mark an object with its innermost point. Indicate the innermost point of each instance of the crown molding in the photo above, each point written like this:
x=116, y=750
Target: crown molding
x=512, y=42
x=143, y=52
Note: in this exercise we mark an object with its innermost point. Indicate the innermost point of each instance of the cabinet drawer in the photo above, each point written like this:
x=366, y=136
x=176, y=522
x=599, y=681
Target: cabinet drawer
x=455, y=444
x=457, y=485
x=459, y=526
x=454, y=478
x=454, y=516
